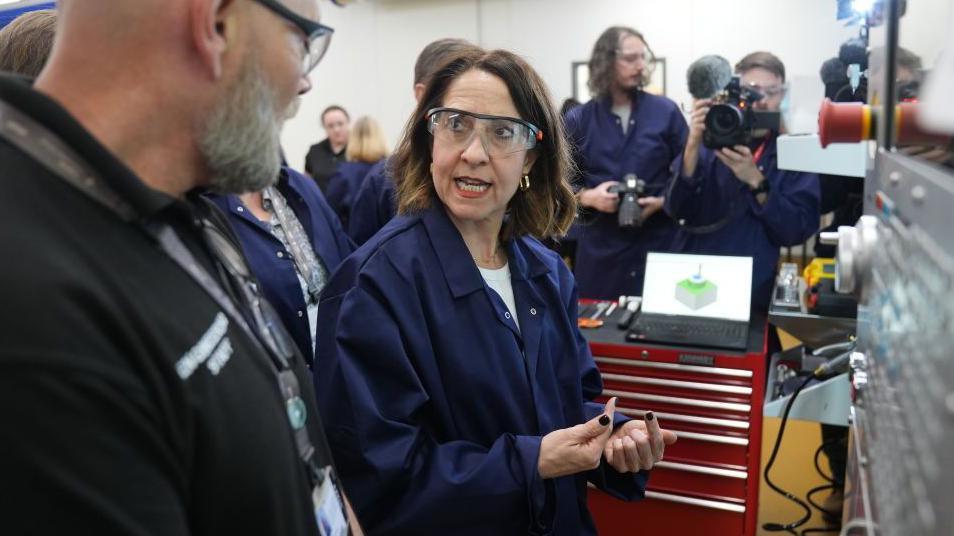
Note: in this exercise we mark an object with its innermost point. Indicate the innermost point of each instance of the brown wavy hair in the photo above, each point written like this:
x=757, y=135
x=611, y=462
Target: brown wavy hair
x=547, y=208
x=603, y=60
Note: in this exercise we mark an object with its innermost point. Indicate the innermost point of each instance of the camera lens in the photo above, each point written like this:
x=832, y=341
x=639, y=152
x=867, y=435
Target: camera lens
x=723, y=119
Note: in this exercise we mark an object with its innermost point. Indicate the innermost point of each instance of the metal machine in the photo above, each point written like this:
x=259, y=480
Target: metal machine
x=899, y=261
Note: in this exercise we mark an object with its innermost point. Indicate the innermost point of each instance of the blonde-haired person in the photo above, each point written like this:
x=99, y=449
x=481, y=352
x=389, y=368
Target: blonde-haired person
x=26, y=42
x=455, y=386
x=366, y=147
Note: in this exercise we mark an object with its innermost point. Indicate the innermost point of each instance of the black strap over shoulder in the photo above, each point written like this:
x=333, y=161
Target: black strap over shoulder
x=235, y=291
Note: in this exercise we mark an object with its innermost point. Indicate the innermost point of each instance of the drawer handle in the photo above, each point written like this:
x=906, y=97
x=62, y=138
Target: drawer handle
x=736, y=373
x=681, y=499
x=709, y=438
x=689, y=468
x=700, y=386
x=727, y=423
x=729, y=406
x=714, y=505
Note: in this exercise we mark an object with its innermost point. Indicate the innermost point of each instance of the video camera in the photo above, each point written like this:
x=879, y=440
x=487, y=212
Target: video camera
x=629, y=190
x=731, y=120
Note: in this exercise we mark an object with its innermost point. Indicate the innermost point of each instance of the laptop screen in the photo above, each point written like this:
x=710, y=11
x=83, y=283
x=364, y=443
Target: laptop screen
x=710, y=286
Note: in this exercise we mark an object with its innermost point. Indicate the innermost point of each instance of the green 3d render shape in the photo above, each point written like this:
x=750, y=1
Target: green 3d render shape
x=695, y=292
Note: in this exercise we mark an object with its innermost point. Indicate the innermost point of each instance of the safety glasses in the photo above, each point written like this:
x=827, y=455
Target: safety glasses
x=499, y=135
x=317, y=35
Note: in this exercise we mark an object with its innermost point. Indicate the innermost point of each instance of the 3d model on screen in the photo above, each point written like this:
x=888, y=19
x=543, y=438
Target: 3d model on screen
x=695, y=292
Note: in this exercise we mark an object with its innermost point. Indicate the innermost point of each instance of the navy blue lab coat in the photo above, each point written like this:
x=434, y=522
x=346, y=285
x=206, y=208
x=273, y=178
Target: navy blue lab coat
x=343, y=185
x=374, y=204
x=435, y=403
x=788, y=218
x=272, y=264
x=611, y=261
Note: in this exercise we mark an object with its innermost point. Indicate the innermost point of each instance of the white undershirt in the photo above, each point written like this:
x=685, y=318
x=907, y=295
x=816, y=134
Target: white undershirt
x=623, y=112
x=499, y=281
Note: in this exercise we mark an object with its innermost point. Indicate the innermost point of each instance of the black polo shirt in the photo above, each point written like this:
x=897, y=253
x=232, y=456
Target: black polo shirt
x=129, y=403
x=322, y=162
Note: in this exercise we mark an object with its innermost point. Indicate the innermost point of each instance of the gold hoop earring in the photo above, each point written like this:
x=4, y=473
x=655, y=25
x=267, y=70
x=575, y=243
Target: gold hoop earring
x=525, y=183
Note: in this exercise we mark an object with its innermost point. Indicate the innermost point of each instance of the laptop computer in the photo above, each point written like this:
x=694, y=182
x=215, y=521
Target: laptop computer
x=695, y=300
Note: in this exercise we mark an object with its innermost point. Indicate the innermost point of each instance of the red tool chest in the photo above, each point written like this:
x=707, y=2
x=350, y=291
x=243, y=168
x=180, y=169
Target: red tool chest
x=708, y=482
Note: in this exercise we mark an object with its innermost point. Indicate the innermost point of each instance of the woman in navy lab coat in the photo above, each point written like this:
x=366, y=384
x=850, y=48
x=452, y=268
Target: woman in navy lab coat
x=457, y=388
x=622, y=130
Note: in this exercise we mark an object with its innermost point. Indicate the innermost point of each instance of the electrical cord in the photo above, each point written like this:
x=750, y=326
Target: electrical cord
x=819, y=530
x=790, y=527
x=821, y=372
x=818, y=468
x=818, y=489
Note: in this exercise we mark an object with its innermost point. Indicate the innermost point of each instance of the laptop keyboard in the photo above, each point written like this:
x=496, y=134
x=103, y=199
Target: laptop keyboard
x=691, y=331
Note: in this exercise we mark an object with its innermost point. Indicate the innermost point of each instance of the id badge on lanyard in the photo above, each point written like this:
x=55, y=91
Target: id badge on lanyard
x=326, y=500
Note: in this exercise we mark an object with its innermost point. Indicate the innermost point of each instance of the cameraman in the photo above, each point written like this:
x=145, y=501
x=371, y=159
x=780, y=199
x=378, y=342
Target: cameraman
x=622, y=130
x=735, y=201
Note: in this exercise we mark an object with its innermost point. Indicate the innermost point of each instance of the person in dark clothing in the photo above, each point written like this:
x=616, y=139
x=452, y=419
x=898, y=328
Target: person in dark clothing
x=324, y=157
x=374, y=204
x=367, y=148
x=139, y=366
x=622, y=130
x=752, y=208
x=568, y=104
x=292, y=252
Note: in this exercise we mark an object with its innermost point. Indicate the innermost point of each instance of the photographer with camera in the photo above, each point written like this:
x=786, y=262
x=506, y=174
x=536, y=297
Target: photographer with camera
x=727, y=192
x=625, y=139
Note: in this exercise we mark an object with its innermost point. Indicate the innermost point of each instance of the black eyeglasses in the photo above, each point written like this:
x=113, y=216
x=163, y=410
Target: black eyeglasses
x=318, y=35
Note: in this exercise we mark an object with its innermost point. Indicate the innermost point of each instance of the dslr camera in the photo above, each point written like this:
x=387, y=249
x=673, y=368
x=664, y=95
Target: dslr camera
x=731, y=120
x=630, y=214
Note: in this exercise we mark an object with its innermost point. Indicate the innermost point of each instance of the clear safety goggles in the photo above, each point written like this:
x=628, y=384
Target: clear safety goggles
x=499, y=135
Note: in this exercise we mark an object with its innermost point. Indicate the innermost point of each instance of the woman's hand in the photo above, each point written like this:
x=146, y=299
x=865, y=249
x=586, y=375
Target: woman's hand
x=638, y=445
x=576, y=449
x=600, y=198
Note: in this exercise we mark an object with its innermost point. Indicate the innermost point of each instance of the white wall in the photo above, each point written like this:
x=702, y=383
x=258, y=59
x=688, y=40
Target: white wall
x=369, y=67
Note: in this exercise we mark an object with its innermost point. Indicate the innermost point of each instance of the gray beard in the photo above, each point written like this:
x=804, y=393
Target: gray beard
x=241, y=142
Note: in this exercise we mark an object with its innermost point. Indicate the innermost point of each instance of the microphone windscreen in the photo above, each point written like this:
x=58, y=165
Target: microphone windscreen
x=708, y=75
x=854, y=51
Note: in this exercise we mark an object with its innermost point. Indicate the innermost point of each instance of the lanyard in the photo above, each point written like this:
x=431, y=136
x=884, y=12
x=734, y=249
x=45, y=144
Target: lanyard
x=52, y=153
x=757, y=155
x=304, y=257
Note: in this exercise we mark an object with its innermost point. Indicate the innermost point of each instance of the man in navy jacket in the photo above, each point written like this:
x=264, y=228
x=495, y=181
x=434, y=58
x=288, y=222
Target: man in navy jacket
x=735, y=201
x=373, y=204
x=272, y=262
x=622, y=130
